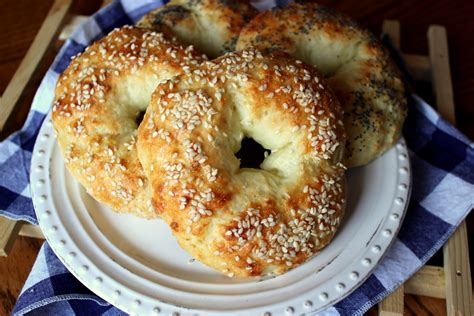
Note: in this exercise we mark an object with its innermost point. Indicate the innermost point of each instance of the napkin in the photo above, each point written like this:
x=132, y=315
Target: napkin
x=442, y=161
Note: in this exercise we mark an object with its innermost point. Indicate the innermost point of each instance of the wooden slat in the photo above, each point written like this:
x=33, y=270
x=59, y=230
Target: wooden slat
x=456, y=251
x=29, y=230
x=428, y=281
x=46, y=34
x=458, y=274
x=392, y=28
x=441, y=74
x=8, y=232
x=392, y=305
x=419, y=66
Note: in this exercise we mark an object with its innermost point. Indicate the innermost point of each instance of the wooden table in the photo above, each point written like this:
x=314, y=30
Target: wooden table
x=20, y=20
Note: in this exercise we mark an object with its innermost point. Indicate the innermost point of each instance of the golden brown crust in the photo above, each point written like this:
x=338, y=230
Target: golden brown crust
x=246, y=222
x=98, y=99
x=358, y=68
x=212, y=26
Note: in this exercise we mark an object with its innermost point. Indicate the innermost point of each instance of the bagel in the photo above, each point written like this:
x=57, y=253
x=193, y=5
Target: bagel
x=244, y=221
x=98, y=100
x=212, y=26
x=355, y=64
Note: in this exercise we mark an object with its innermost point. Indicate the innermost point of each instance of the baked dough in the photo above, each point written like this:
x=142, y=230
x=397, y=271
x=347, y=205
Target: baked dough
x=356, y=66
x=98, y=101
x=246, y=222
x=212, y=26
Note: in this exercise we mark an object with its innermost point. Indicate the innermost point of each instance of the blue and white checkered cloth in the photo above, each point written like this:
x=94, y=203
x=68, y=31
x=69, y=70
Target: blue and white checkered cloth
x=442, y=195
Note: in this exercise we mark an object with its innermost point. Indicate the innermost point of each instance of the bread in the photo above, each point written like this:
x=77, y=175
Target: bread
x=97, y=107
x=357, y=68
x=246, y=222
x=212, y=26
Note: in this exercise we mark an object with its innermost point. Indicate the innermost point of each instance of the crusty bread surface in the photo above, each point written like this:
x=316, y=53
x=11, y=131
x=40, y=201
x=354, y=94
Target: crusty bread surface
x=97, y=107
x=356, y=66
x=212, y=26
x=243, y=221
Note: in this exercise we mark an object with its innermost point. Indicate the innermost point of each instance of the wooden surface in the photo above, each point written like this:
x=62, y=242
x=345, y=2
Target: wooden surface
x=15, y=270
x=458, y=280
x=35, y=53
x=458, y=286
x=456, y=260
x=8, y=232
x=430, y=280
x=393, y=304
x=442, y=84
x=30, y=230
x=20, y=20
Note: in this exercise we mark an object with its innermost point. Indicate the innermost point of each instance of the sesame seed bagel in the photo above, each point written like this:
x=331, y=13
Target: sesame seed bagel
x=212, y=26
x=245, y=221
x=356, y=66
x=98, y=101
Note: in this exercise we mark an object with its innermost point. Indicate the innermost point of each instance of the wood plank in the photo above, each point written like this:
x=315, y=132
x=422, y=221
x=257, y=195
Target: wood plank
x=441, y=73
x=14, y=270
x=456, y=251
x=416, y=305
x=458, y=274
x=46, y=34
x=33, y=231
x=392, y=28
x=428, y=281
x=392, y=305
x=8, y=232
x=419, y=66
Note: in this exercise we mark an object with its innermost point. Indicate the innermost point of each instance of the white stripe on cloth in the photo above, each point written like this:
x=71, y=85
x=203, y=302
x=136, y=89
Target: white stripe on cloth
x=331, y=311
x=460, y=201
x=398, y=264
x=26, y=192
x=131, y=7
x=8, y=149
x=85, y=32
x=45, y=95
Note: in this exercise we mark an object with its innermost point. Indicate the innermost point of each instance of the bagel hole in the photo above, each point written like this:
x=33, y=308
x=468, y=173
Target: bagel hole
x=251, y=153
x=139, y=117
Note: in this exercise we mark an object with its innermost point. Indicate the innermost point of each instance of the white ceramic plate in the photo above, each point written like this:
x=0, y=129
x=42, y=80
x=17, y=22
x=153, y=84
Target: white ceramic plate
x=137, y=265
